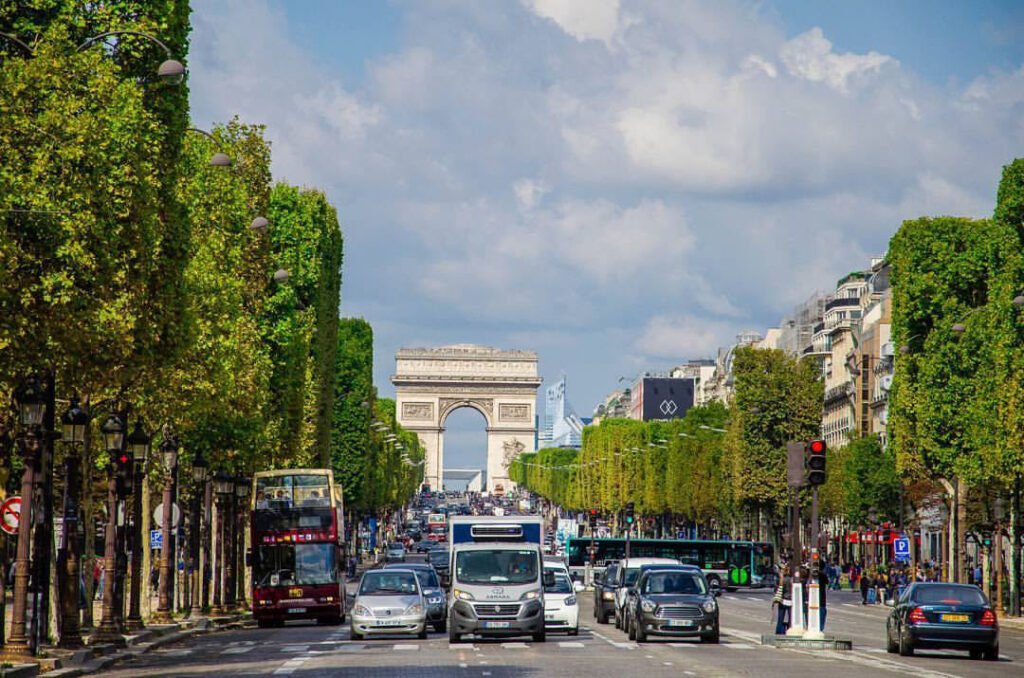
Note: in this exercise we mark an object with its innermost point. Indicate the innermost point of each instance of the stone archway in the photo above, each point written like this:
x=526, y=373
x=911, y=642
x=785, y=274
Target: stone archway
x=431, y=383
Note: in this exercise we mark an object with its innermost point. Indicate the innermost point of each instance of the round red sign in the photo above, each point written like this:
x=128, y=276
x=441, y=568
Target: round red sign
x=10, y=515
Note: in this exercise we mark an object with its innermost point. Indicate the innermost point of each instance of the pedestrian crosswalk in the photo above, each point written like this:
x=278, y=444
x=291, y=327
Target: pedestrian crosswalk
x=329, y=647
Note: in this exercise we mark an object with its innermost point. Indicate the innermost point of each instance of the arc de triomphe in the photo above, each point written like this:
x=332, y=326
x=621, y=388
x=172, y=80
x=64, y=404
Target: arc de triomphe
x=431, y=383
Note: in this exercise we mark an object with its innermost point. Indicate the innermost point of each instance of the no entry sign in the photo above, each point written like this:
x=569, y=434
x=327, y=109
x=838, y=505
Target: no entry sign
x=10, y=515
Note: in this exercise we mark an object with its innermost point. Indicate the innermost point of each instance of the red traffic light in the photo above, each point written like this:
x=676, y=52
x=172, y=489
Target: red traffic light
x=124, y=459
x=817, y=446
x=593, y=512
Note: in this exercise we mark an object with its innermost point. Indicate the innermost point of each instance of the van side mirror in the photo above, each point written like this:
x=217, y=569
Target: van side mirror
x=599, y=578
x=549, y=578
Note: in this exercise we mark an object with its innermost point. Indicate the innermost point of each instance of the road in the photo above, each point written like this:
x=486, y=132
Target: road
x=307, y=650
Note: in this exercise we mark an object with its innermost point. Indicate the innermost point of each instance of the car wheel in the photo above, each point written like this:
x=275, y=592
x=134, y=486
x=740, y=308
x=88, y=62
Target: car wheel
x=452, y=636
x=711, y=637
x=618, y=622
x=355, y=635
x=422, y=635
x=890, y=645
x=264, y=623
x=640, y=633
x=630, y=629
x=714, y=582
x=992, y=654
x=540, y=637
x=906, y=647
x=575, y=631
x=602, y=616
x=975, y=654
x=441, y=626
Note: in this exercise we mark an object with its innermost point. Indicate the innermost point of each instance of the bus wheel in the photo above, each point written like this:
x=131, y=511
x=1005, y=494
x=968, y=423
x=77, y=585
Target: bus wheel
x=263, y=623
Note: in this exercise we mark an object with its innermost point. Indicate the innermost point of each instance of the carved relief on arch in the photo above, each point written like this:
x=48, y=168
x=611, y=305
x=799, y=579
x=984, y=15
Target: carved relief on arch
x=485, y=405
x=420, y=411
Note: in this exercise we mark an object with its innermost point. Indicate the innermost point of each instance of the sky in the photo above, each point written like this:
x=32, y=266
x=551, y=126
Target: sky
x=619, y=185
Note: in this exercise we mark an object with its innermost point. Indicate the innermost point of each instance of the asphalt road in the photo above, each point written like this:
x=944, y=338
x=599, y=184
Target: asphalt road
x=307, y=650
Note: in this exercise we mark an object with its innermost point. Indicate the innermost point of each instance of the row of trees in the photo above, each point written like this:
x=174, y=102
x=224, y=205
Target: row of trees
x=134, y=269
x=718, y=467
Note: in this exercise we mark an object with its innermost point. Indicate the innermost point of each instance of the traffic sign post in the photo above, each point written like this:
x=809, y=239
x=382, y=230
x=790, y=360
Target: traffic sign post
x=901, y=549
x=10, y=515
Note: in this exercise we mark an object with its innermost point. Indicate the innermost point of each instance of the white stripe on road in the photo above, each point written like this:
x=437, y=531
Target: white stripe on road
x=406, y=647
x=687, y=645
x=738, y=646
x=757, y=600
x=238, y=650
x=177, y=652
x=291, y=665
x=294, y=648
x=570, y=643
x=514, y=646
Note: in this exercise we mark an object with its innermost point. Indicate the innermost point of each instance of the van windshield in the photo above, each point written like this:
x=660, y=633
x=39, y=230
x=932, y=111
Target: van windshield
x=496, y=567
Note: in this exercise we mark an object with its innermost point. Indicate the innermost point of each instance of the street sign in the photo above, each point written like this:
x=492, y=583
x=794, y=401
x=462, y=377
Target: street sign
x=156, y=539
x=10, y=515
x=158, y=515
x=901, y=548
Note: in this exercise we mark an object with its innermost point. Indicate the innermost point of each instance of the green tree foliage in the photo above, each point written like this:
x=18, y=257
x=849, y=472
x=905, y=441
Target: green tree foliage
x=865, y=476
x=948, y=390
x=777, y=399
x=301, y=322
x=353, y=399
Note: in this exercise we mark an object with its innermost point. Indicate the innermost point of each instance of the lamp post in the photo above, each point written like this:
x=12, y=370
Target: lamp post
x=222, y=486
x=113, y=439
x=31, y=404
x=169, y=451
x=230, y=540
x=139, y=444
x=242, y=487
x=73, y=426
x=200, y=473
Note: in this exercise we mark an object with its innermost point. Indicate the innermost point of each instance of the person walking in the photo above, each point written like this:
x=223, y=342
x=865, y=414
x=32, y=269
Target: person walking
x=865, y=585
x=782, y=602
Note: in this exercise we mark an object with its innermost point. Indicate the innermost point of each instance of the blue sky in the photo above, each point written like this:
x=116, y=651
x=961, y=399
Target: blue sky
x=619, y=185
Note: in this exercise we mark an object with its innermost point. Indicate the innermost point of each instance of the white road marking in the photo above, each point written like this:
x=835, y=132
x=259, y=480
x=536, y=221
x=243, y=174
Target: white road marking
x=514, y=646
x=732, y=598
x=486, y=673
x=177, y=652
x=667, y=663
x=463, y=665
x=690, y=673
x=238, y=650
x=294, y=648
x=738, y=646
x=570, y=643
x=687, y=645
x=756, y=600
x=406, y=646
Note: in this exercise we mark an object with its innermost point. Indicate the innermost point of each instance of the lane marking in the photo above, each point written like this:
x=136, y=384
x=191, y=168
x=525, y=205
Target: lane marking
x=238, y=650
x=756, y=600
x=514, y=646
x=667, y=663
x=463, y=665
x=406, y=647
x=684, y=645
x=570, y=643
x=690, y=673
x=294, y=648
x=737, y=646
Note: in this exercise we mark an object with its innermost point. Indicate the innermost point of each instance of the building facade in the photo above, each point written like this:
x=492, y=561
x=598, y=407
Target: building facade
x=562, y=427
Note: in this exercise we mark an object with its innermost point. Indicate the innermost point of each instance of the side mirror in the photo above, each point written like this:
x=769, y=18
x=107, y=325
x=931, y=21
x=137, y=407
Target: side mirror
x=578, y=587
x=598, y=578
x=549, y=578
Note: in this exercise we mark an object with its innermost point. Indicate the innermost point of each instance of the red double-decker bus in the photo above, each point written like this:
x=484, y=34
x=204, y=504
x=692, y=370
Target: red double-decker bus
x=297, y=559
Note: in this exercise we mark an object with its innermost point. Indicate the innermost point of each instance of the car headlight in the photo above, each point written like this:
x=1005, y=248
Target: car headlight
x=647, y=605
x=709, y=606
x=415, y=608
x=608, y=595
x=436, y=600
x=571, y=600
x=530, y=595
x=361, y=610
x=462, y=595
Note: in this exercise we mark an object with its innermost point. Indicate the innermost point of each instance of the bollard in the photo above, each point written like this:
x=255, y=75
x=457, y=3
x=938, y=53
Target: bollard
x=796, y=615
x=813, y=631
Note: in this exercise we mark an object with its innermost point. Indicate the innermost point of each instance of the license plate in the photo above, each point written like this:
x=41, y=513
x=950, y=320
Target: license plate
x=390, y=622
x=296, y=610
x=680, y=622
x=955, y=618
x=497, y=625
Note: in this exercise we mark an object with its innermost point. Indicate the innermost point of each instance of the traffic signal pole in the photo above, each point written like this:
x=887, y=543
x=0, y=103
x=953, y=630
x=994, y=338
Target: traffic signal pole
x=813, y=589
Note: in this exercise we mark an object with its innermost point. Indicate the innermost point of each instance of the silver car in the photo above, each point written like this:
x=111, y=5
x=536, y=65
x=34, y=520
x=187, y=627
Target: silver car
x=389, y=602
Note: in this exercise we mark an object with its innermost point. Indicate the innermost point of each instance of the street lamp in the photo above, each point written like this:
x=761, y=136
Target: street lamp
x=219, y=158
x=113, y=434
x=242, y=488
x=74, y=422
x=109, y=630
x=260, y=225
x=170, y=70
x=281, y=276
x=222, y=486
x=200, y=472
x=31, y=403
x=139, y=445
x=169, y=451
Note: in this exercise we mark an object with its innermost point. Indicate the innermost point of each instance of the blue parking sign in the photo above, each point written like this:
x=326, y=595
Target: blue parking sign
x=156, y=539
x=901, y=548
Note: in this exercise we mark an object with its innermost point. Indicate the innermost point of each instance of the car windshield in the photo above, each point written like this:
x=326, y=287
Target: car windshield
x=499, y=566
x=294, y=565
x=388, y=582
x=631, y=575
x=428, y=579
x=438, y=556
x=948, y=595
x=561, y=585
x=674, y=582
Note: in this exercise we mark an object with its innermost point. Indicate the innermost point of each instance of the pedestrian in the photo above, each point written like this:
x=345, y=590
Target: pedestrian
x=783, y=601
x=865, y=586
x=154, y=578
x=822, y=606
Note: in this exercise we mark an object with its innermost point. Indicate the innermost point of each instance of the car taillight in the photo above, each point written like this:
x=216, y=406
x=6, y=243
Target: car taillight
x=917, y=616
x=988, y=618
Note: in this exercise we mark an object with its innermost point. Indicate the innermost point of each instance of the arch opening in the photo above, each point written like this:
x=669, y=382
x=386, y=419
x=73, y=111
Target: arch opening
x=464, y=432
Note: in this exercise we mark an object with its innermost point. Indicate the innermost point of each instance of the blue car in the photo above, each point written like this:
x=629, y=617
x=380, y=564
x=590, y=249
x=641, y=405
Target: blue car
x=934, y=615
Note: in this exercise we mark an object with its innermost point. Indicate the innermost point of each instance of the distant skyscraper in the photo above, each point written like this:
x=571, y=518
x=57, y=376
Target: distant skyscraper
x=562, y=427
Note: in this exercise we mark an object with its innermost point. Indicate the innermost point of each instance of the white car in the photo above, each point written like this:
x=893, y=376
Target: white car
x=561, y=609
x=627, y=574
x=389, y=602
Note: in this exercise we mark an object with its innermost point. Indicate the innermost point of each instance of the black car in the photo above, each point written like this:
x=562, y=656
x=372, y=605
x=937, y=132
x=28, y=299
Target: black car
x=934, y=615
x=673, y=601
x=433, y=594
x=425, y=546
x=439, y=558
x=604, y=593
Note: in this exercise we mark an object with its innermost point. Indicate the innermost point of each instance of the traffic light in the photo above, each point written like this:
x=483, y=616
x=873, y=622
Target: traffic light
x=814, y=462
x=122, y=464
x=592, y=517
x=629, y=513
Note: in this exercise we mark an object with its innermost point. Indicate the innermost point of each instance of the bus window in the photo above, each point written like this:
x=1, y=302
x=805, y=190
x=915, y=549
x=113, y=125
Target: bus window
x=714, y=557
x=690, y=555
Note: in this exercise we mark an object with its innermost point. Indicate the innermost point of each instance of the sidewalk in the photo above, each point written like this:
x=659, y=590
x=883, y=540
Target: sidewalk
x=57, y=663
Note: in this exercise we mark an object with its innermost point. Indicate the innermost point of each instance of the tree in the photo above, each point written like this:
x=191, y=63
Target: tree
x=353, y=400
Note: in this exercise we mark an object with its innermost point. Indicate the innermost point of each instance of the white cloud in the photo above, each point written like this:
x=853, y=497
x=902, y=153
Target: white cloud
x=682, y=337
x=810, y=56
x=687, y=168
x=582, y=19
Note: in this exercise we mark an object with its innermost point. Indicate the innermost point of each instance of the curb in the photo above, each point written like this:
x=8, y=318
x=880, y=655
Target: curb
x=143, y=645
x=20, y=671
